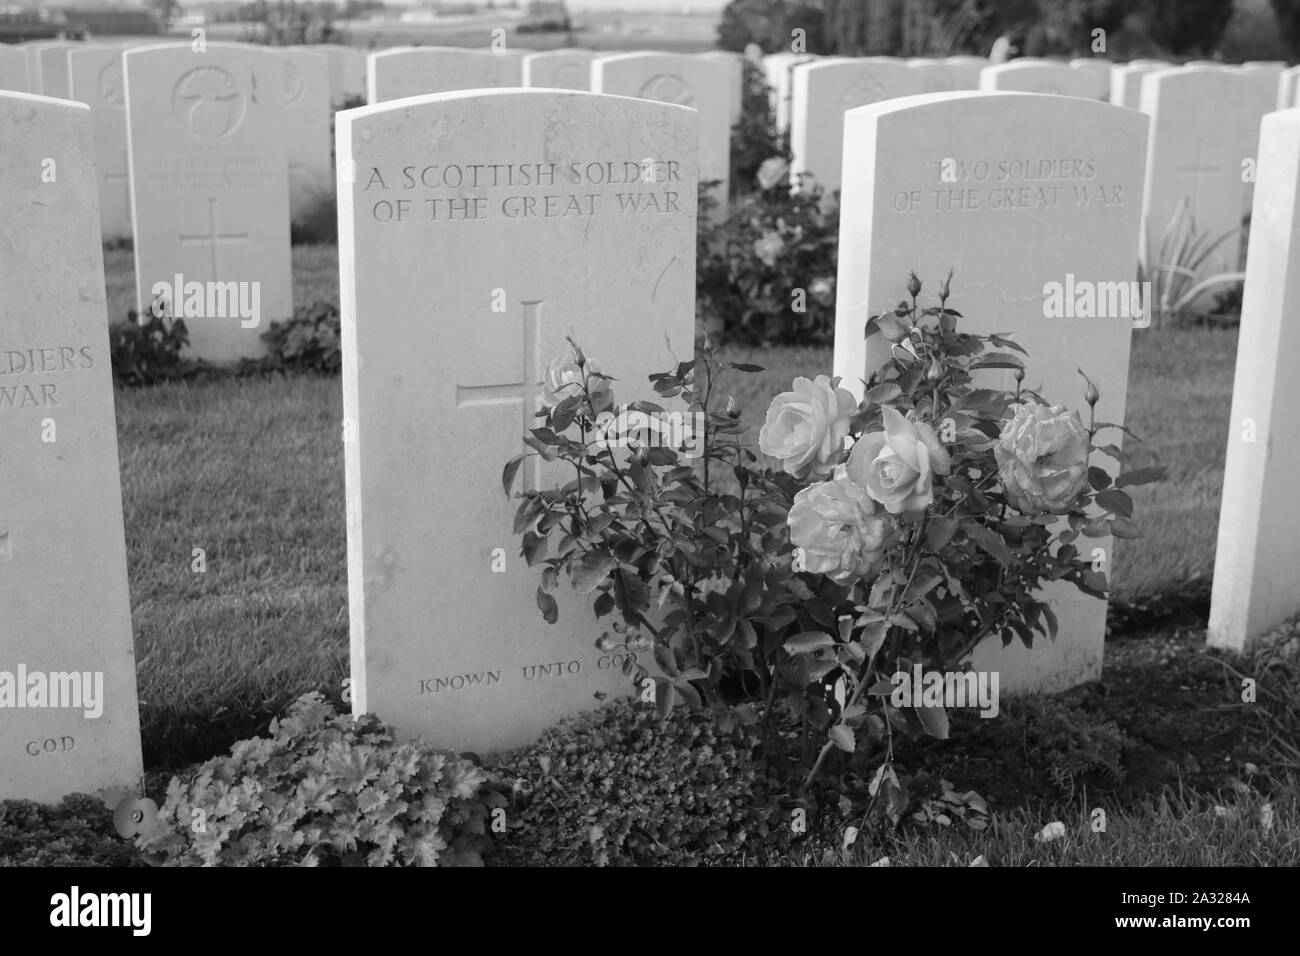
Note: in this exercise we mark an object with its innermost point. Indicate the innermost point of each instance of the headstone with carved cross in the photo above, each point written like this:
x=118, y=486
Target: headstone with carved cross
x=1200, y=138
x=95, y=72
x=455, y=209
x=210, y=189
x=69, y=719
x=702, y=84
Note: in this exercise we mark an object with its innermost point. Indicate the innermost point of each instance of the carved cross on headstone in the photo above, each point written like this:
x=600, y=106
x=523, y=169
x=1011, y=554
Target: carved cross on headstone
x=526, y=391
x=1201, y=168
x=214, y=238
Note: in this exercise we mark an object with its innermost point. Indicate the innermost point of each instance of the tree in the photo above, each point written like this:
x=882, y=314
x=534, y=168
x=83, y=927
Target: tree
x=1288, y=21
x=1185, y=27
x=770, y=24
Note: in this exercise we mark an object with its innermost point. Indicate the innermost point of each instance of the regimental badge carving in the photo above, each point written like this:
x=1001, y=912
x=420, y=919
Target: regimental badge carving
x=668, y=88
x=110, y=82
x=208, y=102
x=864, y=90
x=292, y=83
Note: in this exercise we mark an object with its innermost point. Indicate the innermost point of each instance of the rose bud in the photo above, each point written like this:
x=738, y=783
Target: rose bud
x=1091, y=395
x=732, y=410
x=913, y=285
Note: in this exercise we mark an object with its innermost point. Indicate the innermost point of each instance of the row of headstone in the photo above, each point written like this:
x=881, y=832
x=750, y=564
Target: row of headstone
x=532, y=177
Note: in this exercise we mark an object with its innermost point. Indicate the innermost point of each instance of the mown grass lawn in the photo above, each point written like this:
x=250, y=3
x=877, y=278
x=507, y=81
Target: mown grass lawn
x=251, y=471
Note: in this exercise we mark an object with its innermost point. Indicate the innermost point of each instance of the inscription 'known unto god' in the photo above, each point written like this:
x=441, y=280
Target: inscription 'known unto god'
x=557, y=190
x=528, y=672
x=18, y=363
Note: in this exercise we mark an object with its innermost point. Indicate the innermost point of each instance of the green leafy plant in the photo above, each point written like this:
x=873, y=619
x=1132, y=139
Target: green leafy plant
x=1175, y=267
x=616, y=787
x=903, y=530
x=76, y=832
x=310, y=341
x=766, y=274
x=149, y=352
x=325, y=789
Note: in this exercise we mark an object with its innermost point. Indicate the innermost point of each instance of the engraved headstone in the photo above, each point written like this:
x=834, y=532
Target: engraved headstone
x=69, y=719
x=1012, y=192
x=1256, y=557
x=96, y=75
x=210, y=191
x=447, y=639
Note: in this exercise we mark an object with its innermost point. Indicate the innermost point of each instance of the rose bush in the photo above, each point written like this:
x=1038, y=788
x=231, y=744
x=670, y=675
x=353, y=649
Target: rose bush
x=901, y=530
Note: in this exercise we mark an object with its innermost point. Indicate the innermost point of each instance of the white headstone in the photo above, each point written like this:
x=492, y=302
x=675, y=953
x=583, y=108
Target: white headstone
x=1099, y=70
x=967, y=70
x=1258, y=547
x=347, y=66
x=13, y=68
x=96, y=75
x=441, y=387
x=63, y=584
x=53, y=60
x=394, y=74
x=823, y=92
x=210, y=190
x=307, y=115
x=1199, y=136
x=736, y=64
x=939, y=76
x=1286, y=88
x=558, y=70
x=1126, y=82
x=1022, y=76
x=686, y=81
x=1013, y=192
x=776, y=67
x=1259, y=84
